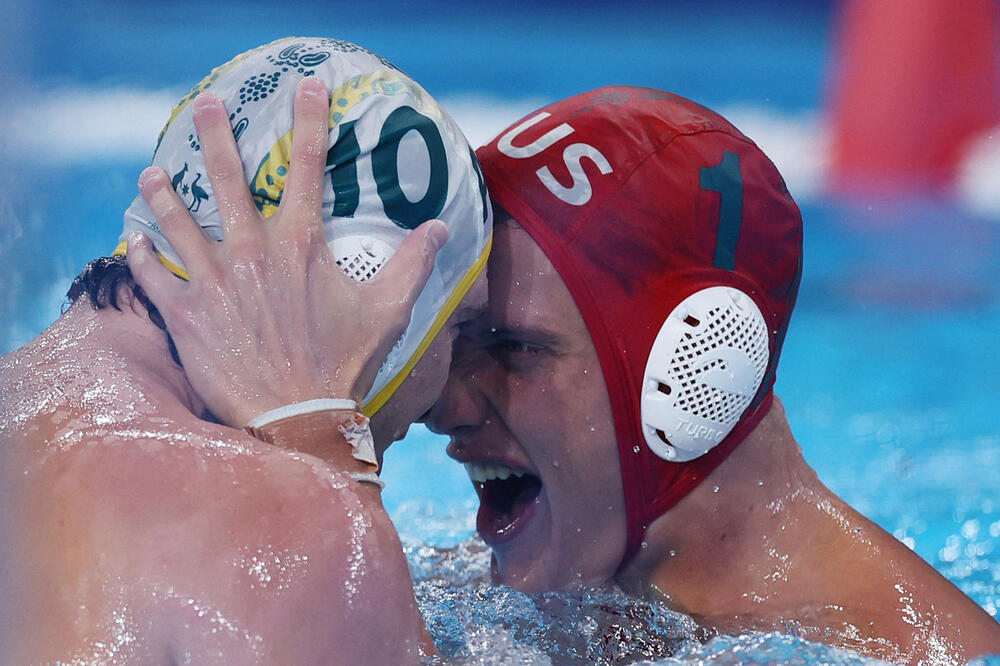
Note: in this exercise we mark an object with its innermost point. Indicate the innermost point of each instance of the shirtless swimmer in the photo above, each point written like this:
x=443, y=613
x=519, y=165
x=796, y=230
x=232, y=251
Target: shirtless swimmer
x=140, y=522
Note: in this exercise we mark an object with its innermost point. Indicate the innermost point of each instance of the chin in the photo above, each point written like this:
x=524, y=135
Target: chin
x=532, y=576
x=522, y=581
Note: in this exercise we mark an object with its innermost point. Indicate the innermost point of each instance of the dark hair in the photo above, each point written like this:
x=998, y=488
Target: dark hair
x=103, y=278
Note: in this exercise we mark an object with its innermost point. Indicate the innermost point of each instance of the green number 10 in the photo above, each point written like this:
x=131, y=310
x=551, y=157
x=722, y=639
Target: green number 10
x=385, y=168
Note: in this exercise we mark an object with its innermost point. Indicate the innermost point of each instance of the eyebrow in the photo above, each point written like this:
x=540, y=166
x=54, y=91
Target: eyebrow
x=470, y=311
x=527, y=333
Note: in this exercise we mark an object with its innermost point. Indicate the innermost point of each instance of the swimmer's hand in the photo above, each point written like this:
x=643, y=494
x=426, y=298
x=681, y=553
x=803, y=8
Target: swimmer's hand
x=268, y=318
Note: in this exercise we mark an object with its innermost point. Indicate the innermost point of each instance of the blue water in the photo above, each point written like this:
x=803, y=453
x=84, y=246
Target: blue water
x=889, y=372
x=548, y=48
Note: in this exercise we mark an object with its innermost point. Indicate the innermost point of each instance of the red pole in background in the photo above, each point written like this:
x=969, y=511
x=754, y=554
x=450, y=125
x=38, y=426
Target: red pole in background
x=914, y=81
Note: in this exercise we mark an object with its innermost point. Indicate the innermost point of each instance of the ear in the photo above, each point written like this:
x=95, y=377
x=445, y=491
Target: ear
x=705, y=367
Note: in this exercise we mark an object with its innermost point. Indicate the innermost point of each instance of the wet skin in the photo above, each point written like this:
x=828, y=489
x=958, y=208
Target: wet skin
x=126, y=514
x=135, y=531
x=759, y=544
x=526, y=393
x=423, y=385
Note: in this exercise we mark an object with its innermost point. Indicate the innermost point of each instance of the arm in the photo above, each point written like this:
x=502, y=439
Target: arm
x=269, y=319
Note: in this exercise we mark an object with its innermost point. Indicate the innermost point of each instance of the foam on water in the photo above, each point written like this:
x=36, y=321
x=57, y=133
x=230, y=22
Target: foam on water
x=474, y=622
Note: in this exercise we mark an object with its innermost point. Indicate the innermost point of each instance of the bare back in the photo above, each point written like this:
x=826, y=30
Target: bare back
x=137, y=532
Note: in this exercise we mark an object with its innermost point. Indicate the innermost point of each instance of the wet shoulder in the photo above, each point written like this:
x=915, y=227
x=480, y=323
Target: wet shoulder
x=199, y=531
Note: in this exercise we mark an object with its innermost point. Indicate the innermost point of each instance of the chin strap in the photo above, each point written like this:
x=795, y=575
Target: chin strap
x=314, y=426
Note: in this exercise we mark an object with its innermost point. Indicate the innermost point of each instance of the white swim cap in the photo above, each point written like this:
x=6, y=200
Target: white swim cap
x=395, y=160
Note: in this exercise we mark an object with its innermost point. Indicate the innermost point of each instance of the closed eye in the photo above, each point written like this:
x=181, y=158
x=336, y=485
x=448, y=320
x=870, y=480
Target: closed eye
x=514, y=347
x=517, y=355
x=518, y=350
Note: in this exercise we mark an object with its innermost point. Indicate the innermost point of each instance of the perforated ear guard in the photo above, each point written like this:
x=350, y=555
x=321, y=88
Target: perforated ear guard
x=361, y=257
x=706, y=364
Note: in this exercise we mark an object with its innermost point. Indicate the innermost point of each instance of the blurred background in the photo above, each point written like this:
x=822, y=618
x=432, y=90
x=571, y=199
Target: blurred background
x=882, y=116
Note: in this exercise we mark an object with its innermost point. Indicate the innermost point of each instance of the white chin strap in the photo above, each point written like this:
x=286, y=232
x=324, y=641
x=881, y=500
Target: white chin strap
x=706, y=365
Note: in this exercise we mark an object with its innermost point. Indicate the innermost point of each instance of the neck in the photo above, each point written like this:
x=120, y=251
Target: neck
x=129, y=336
x=752, y=543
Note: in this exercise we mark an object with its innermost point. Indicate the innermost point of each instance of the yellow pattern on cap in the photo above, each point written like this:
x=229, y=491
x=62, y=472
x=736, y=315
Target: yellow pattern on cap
x=206, y=83
x=269, y=181
x=122, y=250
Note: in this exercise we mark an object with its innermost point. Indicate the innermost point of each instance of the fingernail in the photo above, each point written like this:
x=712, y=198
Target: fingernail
x=147, y=176
x=438, y=233
x=313, y=85
x=204, y=100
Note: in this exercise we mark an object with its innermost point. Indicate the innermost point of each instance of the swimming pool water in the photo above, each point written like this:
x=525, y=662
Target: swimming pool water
x=889, y=374
x=891, y=389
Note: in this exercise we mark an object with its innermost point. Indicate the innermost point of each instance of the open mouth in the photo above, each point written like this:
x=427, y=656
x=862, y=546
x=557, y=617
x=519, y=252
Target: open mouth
x=506, y=499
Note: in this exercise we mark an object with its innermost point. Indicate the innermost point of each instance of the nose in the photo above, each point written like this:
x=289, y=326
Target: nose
x=462, y=405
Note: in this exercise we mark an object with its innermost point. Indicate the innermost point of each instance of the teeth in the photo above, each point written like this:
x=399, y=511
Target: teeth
x=484, y=473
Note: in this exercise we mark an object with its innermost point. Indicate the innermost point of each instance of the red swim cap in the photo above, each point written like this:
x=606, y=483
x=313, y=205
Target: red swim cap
x=641, y=198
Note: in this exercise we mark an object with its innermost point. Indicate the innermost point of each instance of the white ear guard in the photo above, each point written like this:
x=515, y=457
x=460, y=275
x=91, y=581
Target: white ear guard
x=361, y=257
x=706, y=365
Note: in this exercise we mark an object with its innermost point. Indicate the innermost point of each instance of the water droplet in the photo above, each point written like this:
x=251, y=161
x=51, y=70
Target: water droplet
x=760, y=482
x=645, y=545
x=672, y=552
x=593, y=428
x=715, y=489
x=636, y=449
x=555, y=463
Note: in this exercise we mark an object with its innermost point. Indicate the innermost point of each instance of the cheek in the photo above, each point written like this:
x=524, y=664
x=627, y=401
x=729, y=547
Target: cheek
x=588, y=511
x=560, y=413
x=587, y=473
x=585, y=486
x=572, y=409
x=538, y=411
x=418, y=392
x=428, y=377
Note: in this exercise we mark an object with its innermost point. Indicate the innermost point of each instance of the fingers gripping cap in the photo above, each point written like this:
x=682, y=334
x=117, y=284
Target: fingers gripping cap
x=682, y=249
x=395, y=159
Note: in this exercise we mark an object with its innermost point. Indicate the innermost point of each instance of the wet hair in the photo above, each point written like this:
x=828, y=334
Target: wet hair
x=105, y=281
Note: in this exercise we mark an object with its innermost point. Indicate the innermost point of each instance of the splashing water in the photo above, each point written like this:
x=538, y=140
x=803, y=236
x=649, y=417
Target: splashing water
x=475, y=622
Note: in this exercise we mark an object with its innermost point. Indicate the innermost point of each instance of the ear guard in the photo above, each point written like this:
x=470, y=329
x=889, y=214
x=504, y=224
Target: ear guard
x=682, y=249
x=705, y=366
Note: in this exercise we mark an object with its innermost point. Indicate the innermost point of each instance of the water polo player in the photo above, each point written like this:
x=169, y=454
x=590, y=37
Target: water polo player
x=614, y=405
x=142, y=523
